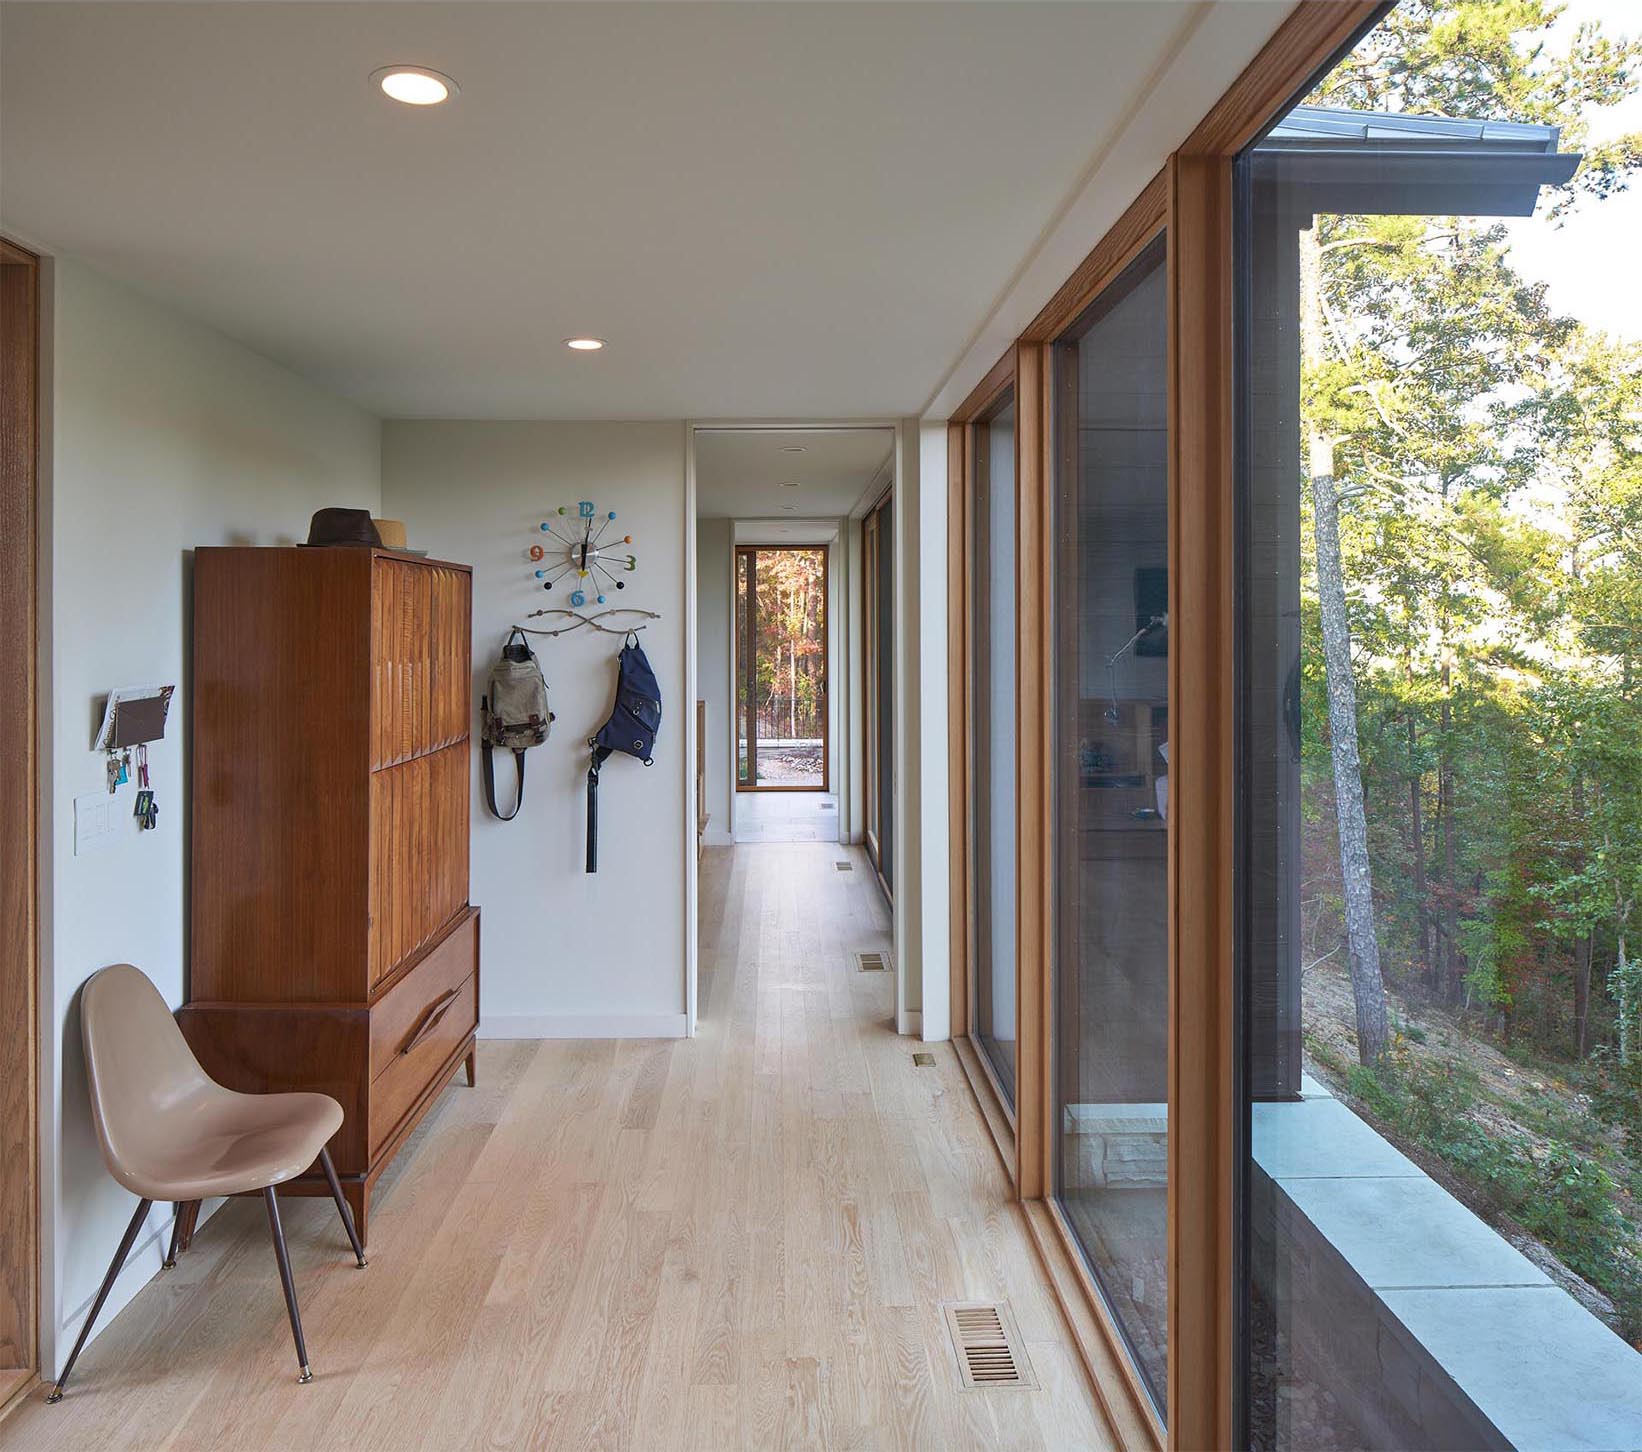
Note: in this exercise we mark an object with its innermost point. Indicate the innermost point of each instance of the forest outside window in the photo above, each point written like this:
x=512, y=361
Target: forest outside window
x=781, y=668
x=1440, y=424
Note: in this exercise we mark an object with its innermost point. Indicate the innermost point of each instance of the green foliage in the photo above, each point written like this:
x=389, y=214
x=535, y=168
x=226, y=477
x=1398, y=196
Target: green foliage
x=1617, y=1097
x=1563, y=1194
x=790, y=662
x=1488, y=457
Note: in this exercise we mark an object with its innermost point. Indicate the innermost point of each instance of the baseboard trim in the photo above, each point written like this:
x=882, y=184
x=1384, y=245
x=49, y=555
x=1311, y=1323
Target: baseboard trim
x=15, y=1387
x=717, y=837
x=143, y=1263
x=585, y=1026
x=911, y=1023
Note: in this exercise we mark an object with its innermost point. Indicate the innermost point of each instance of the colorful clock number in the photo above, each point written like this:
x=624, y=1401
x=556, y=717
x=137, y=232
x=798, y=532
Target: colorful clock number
x=582, y=547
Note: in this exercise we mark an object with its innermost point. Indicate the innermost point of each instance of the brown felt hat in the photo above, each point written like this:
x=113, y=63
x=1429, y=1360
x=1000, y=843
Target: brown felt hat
x=342, y=527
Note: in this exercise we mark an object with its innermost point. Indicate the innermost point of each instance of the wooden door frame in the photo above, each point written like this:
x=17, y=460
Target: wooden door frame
x=752, y=551
x=1191, y=200
x=19, y=847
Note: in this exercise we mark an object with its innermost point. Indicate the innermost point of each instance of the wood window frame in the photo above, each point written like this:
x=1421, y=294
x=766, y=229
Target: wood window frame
x=751, y=552
x=963, y=443
x=19, y=849
x=1101, y=1342
x=1190, y=200
x=1207, y=1143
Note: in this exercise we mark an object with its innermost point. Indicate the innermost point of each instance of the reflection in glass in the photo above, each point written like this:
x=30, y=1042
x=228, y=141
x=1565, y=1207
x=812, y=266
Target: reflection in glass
x=1439, y=624
x=1112, y=779
x=992, y=829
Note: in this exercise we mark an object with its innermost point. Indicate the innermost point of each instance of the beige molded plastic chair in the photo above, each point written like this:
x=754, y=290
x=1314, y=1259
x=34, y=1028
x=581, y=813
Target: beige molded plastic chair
x=171, y=1132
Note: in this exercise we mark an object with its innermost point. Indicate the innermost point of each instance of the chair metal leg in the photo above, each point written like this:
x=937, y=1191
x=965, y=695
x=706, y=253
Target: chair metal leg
x=272, y=1201
x=115, y=1265
x=342, y=1207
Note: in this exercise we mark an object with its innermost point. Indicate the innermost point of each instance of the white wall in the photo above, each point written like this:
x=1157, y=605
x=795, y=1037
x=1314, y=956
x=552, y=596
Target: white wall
x=715, y=549
x=161, y=435
x=565, y=954
x=926, y=833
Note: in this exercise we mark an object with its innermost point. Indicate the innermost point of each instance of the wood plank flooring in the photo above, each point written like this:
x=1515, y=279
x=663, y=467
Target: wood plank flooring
x=740, y=1241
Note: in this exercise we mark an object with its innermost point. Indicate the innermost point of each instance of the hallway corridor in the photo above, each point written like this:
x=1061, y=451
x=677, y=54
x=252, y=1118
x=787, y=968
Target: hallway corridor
x=742, y=1240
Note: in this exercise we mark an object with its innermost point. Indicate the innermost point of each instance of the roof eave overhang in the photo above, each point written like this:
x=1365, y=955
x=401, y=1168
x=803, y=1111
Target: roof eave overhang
x=1369, y=179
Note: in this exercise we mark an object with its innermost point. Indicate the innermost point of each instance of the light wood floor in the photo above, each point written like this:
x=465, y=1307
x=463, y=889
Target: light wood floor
x=742, y=1240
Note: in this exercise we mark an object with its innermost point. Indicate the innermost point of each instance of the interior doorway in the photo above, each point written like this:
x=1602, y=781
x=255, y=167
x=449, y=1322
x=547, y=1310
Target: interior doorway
x=782, y=645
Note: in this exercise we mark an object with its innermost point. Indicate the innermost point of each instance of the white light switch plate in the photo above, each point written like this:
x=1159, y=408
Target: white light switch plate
x=97, y=820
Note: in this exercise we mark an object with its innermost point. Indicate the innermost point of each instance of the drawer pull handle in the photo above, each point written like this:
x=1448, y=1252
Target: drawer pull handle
x=440, y=1007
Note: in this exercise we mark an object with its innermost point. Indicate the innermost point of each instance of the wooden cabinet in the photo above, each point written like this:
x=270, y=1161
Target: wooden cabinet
x=332, y=945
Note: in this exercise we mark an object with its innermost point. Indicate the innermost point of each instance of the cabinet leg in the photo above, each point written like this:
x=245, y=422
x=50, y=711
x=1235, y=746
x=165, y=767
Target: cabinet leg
x=472, y=1067
x=187, y=1224
x=359, y=1201
x=185, y=1210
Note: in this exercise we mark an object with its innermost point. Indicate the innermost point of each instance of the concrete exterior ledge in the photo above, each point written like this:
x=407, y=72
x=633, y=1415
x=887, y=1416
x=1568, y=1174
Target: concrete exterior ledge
x=1421, y=1318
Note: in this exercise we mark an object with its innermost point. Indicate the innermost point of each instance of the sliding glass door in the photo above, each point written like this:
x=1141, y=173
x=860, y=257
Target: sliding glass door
x=993, y=545
x=1110, y=675
x=878, y=572
x=781, y=668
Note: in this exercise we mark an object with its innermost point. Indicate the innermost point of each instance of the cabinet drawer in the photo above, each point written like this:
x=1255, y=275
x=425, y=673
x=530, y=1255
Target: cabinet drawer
x=418, y=1024
x=404, y=1010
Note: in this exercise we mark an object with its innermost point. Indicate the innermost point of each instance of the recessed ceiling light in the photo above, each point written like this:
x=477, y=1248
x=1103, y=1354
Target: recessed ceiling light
x=792, y=448
x=414, y=85
x=584, y=345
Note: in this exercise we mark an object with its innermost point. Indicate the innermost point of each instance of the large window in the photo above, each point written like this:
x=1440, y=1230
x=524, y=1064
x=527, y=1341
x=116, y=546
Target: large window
x=1440, y=410
x=993, y=546
x=878, y=569
x=781, y=668
x=1111, y=753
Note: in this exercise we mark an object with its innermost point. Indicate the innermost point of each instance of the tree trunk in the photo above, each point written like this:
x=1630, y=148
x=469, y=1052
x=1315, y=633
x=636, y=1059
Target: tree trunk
x=1362, y=947
x=1582, y=994
x=1416, y=818
x=1452, y=975
x=1584, y=942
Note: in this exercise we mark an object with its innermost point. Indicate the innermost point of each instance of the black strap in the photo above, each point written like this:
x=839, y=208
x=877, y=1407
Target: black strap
x=490, y=781
x=601, y=754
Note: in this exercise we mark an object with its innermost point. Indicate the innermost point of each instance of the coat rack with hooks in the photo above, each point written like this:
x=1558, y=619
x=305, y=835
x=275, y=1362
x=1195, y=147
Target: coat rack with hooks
x=593, y=622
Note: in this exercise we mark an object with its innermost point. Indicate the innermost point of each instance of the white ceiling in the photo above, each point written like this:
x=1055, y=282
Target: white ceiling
x=742, y=473
x=783, y=210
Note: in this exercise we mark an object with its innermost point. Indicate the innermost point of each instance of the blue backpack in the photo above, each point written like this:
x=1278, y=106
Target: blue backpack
x=632, y=727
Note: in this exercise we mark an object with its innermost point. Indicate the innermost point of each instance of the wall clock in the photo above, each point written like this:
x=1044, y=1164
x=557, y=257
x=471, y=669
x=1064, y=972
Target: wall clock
x=585, y=552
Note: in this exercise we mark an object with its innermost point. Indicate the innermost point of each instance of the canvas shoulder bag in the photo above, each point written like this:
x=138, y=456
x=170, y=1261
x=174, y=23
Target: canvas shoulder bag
x=514, y=715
